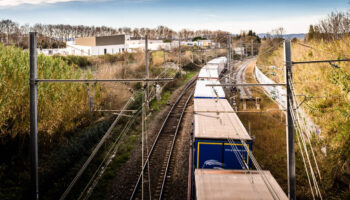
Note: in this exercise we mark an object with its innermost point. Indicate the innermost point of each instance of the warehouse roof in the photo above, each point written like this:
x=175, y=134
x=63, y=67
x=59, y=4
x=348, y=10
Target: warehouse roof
x=235, y=184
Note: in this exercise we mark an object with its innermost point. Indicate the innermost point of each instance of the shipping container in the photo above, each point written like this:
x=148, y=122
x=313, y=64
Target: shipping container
x=205, y=74
x=210, y=153
x=208, y=92
x=217, y=63
x=218, y=133
x=211, y=184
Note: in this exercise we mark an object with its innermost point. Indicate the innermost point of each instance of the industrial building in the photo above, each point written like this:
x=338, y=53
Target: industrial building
x=100, y=45
x=90, y=46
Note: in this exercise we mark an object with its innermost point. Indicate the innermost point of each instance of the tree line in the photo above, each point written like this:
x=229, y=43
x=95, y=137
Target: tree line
x=54, y=35
x=335, y=26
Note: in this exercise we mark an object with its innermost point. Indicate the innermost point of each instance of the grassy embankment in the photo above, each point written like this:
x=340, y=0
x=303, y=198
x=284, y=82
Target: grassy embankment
x=268, y=129
x=329, y=108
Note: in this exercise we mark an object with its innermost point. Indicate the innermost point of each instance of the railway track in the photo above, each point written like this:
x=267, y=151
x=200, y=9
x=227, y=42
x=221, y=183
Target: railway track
x=244, y=92
x=160, y=157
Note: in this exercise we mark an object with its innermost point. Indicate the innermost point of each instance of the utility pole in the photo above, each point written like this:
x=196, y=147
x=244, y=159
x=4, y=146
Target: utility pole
x=164, y=59
x=252, y=50
x=241, y=45
x=289, y=122
x=180, y=55
x=147, y=70
x=229, y=56
x=33, y=114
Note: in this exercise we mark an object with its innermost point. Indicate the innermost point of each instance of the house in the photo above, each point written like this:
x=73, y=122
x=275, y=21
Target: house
x=89, y=46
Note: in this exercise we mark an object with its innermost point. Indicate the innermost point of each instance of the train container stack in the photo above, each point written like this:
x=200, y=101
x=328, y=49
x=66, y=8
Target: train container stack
x=203, y=92
x=236, y=184
x=218, y=133
x=221, y=164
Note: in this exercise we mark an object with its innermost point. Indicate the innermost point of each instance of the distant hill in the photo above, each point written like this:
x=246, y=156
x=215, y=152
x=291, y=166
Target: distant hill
x=288, y=36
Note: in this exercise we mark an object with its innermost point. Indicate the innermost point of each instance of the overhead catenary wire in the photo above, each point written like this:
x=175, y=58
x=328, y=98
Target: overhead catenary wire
x=270, y=188
x=304, y=162
x=302, y=123
x=298, y=125
x=107, y=159
x=94, y=152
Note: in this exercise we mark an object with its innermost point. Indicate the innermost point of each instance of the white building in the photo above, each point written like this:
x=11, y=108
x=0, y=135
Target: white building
x=200, y=43
x=91, y=46
x=239, y=50
x=134, y=45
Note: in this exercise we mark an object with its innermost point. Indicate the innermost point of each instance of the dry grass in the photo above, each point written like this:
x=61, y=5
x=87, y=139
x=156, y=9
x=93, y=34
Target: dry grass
x=269, y=131
x=332, y=111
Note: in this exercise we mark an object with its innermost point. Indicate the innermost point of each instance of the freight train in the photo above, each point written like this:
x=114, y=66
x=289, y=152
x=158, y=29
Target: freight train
x=220, y=164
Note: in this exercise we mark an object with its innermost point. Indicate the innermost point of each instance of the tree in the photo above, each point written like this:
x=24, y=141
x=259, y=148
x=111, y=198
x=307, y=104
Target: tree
x=311, y=33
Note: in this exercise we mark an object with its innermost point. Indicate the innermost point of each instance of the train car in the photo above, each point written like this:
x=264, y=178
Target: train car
x=218, y=63
x=208, y=92
x=218, y=134
x=236, y=184
x=208, y=74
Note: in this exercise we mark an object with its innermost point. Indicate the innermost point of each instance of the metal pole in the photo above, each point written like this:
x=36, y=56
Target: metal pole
x=252, y=50
x=147, y=71
x=180, y=55
x=33, y=113
x=146, y=54
x=164, y=60
x=240, y=44
x=229, y=56
x=289, y=123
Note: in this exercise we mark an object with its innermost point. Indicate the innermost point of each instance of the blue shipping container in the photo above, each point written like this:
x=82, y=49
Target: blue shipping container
x=221, y=154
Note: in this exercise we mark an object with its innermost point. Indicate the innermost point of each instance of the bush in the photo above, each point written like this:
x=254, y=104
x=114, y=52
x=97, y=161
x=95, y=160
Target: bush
x=78, y=61
x=59, y=105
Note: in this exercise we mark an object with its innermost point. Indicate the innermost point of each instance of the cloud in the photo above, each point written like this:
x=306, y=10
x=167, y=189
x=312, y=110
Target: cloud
x=13, y=3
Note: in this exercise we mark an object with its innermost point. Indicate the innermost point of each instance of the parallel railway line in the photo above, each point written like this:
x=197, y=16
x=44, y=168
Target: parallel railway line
x=160, y=157
x=244, y=92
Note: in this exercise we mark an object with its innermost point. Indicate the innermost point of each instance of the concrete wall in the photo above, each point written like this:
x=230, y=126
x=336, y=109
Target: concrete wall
x=88, y=41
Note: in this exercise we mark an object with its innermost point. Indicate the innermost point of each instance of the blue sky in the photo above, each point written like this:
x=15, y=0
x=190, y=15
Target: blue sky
x=259, y=15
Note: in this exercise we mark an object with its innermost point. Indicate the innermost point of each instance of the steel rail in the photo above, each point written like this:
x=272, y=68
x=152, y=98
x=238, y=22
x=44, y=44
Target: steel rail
x=103, y=80
x=319, y=61
x=156, y=140
x=247, y=84
x=173, y=145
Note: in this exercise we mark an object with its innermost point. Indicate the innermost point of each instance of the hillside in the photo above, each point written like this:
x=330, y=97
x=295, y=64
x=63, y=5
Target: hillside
x=329, y=91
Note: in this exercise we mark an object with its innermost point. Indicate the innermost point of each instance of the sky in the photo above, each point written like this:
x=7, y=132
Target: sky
x=261, y=16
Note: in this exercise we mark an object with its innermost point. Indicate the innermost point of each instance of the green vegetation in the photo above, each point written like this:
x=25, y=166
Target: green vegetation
x=66, y=102
x=198, y=38
x=62, y=111
x=78, y=61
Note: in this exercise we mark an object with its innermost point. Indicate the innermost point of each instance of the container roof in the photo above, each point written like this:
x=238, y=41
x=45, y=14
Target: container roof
x=219, y=125
x=235, y=184
x=208, y=73
x=218, y=60
x=212, y=105
x=203, y=91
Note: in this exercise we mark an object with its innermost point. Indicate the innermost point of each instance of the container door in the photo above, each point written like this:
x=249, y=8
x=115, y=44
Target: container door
x=235, y=156
x=209, y=155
